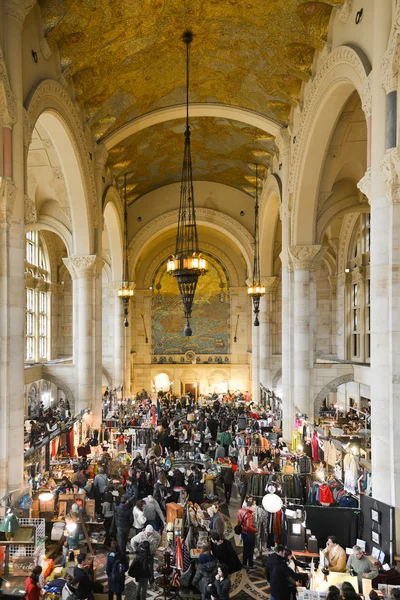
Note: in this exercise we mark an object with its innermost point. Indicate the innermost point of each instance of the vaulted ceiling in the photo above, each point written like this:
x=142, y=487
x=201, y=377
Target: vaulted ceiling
x=126, y=59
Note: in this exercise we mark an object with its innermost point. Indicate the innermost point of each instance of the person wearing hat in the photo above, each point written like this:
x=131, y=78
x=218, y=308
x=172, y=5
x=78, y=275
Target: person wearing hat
x=147, y=535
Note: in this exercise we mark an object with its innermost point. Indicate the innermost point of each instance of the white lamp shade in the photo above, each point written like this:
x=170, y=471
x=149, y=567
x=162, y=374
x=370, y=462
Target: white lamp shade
x=272, y=503
x=46, y=496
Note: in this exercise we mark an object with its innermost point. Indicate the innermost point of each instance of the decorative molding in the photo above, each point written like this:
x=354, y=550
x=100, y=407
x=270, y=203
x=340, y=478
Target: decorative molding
x=8, y=192
x=358, y=275
x=30, y=212
x=366, y=97
x=45, y=49
x=81, y=266
x=306, y=257
x=239, y=234
x=322, y=198
x=282, y=142
x=270, y=283
x=390, y=169
x=101, y=155
x=58, y=173
x=66, y=210
x=344, y=278
x=8, y=103
x=28, y=129
x=50, y=95
x=334, y=151
x=113, y=287
x=364, y=185
x=19, y=9
x=362, y=198
x=48, y=143
x=346, y=9
x=391, y=59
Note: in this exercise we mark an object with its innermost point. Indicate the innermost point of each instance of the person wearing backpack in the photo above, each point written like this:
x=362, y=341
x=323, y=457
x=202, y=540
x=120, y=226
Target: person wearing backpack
x=117, y=564
x=249, y=530
x=141, y=569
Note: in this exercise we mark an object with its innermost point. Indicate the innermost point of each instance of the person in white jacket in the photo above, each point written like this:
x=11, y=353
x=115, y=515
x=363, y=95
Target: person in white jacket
x=139, y=518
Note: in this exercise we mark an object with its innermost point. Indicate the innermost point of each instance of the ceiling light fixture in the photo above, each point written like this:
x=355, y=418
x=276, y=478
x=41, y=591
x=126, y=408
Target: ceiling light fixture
x=256, y=290
x=125, y=292
x=187, y=264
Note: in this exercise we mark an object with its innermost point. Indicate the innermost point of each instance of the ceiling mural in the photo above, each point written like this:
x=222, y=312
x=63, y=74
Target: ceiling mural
x=127, y=58
x=223, y=151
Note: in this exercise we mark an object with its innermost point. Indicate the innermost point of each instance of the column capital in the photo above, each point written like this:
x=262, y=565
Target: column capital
x=19, y=9
x=282, y=141
x=113, y=287
x=8, y=192
x=344, y=278
x=270, y=283
x=81, y=266
x=391, y=58
x=8, y=104
x=364, y=185
x=390, y=169
x=100, y=155
x=358, y=275
x=305, y=258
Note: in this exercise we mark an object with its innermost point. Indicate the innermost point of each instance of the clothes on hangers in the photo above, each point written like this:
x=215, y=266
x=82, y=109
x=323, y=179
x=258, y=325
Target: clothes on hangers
x=314, y=444
x=350, y=465
x=305, y=465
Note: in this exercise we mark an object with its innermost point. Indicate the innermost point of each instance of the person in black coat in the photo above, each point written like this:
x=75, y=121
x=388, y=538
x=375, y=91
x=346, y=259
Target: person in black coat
x=213, y=427
x=225, y=553
x=195, y=488
x=117, y=564
x=228, y=478
x=141, y=570
x=86, y=585
x=204, y=577
x=222, y=585
x=282, y=579
x=124, y=522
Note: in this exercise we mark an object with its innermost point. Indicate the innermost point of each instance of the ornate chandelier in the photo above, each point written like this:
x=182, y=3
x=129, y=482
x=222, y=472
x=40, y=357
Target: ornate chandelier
x=125, y=292
x=256, y=290
x=187, y=264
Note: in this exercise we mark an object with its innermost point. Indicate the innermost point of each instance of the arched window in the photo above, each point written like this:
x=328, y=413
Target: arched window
x=37, y=299
x=358, y=294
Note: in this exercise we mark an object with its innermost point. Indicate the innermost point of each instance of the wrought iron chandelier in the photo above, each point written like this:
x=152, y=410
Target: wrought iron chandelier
x=125, y=292
x=187, y=264
x=256, y=290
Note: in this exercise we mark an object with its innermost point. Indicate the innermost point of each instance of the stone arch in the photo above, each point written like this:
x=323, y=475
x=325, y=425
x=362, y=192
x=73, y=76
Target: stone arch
x=269, y=217
x=50, y=103
x=46, y=223
x=331, y=387
x=214, y=219
x=69, y=394
x=107, y=375
x=113, y=221
x=276, y=378
x=346, y=69
x=208, y=109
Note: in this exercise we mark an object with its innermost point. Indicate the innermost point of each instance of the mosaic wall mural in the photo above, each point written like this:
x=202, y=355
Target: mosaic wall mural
x=210, y=314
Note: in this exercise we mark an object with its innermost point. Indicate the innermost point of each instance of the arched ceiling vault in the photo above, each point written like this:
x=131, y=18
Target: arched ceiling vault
x=126, y=60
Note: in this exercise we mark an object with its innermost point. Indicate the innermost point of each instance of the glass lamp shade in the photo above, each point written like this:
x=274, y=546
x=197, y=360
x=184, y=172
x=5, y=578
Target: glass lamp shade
x=191, y=263
x=126, y=291
x=272, y=503
x=10, y=523
x=256, y=290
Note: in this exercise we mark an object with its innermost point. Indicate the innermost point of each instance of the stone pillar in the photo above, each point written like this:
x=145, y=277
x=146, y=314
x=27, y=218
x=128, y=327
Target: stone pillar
x=303, y=260
x=385, y=291
x=118, y=343
x=266, y=314
x=12, y=251
x=83, y=272
x=255, y=363
x=333, y=282
x=283, y=143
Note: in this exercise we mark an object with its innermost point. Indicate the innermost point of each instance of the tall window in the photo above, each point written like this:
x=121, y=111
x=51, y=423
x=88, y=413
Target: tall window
x=358, y=315
x=37, y=299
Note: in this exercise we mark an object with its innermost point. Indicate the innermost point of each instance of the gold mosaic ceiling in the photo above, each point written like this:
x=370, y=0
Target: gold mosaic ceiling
x=126, y=57
x=153, y=157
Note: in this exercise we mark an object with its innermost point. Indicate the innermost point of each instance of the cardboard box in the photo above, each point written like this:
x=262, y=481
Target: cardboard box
x=174, y=511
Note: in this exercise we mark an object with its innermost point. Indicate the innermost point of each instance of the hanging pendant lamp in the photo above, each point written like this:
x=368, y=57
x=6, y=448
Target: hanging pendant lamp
x=187, y=264
x=125, y=292
x=256, y=290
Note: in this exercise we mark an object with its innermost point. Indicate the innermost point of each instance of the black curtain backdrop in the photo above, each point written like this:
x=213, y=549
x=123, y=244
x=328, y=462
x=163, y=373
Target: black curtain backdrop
x=385, y=527
x=344, y=523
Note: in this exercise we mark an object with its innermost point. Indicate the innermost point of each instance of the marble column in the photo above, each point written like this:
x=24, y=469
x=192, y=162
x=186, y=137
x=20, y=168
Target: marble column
x=83, y=270
x=384, y=268
x=283, y=143
x=266, y=313
x=303, y=260
x=12, y=247
x=118, y=333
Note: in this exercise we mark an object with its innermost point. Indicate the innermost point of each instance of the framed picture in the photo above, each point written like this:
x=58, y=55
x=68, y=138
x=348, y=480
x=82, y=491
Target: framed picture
x=376, y=537
x=375, y=516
